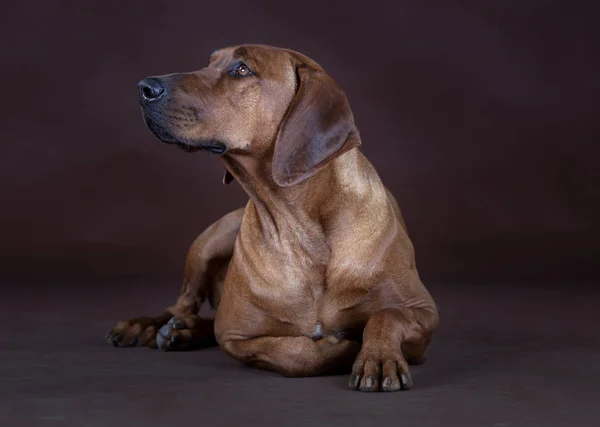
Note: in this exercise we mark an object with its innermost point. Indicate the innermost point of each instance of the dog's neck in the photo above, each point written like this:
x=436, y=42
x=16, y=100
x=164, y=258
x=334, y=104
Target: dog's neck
x=305, y=202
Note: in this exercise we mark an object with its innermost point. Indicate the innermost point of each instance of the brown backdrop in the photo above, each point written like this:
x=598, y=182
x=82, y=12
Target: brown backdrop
x=480, y=116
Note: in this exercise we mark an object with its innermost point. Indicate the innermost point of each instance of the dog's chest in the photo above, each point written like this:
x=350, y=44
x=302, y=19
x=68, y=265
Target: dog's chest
x=289, y=275
x=287, y=256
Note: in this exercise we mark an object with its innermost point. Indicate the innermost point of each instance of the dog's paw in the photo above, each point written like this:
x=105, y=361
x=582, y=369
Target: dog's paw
x=138, y=332
x=380, y=371
x=185, y=333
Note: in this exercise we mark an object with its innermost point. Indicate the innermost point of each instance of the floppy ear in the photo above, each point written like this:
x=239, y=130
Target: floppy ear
x=317, y=128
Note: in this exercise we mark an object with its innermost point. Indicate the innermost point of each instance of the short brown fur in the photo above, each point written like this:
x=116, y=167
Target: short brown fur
x=317, y=273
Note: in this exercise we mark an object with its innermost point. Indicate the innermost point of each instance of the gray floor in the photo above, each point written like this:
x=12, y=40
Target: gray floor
x=506, y=355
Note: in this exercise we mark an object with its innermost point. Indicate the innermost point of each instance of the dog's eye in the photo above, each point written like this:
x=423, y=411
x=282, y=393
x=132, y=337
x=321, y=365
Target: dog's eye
x=241, y=70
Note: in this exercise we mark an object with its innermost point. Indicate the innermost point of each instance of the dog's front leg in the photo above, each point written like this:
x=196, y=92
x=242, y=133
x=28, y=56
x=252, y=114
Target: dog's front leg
x=294, y=356
x=179, y=327
x=392, y=338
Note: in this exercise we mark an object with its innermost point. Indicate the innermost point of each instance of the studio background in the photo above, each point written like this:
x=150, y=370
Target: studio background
x=481, y=117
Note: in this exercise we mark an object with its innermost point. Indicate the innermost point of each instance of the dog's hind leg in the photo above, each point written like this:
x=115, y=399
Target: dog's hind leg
x=179, y=327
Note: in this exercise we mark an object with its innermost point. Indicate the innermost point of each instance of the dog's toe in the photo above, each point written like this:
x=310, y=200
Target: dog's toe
x=116, y=339
x=133, y=333
x=185, y=333
x=377, y=371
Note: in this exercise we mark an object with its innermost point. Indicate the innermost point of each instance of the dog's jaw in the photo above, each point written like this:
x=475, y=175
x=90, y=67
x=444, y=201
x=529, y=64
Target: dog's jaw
x=214, y=147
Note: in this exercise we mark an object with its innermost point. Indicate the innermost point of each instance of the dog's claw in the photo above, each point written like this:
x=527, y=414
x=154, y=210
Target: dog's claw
x=405, y=382
x=354, y=381
x=117, y=339
x=160, y=341
x=164, y=331
x=133, y=342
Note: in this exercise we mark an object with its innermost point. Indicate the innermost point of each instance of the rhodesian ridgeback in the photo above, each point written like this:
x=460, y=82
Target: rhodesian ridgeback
x=316, y=274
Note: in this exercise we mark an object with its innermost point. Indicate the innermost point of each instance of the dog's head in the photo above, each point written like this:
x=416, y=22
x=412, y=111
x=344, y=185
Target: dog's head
x=258, y=100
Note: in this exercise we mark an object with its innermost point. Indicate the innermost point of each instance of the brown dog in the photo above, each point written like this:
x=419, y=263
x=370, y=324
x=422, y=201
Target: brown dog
x=317, y=271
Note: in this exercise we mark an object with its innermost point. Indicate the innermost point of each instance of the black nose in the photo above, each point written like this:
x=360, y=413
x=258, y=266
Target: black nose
x=151, y=89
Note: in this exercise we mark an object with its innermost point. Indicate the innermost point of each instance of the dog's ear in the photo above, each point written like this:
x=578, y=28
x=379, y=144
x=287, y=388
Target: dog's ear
x=227, y=178
x=317, y=128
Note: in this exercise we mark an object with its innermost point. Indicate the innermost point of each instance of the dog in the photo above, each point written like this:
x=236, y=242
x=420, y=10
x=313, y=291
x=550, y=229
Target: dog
x=316, y=274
